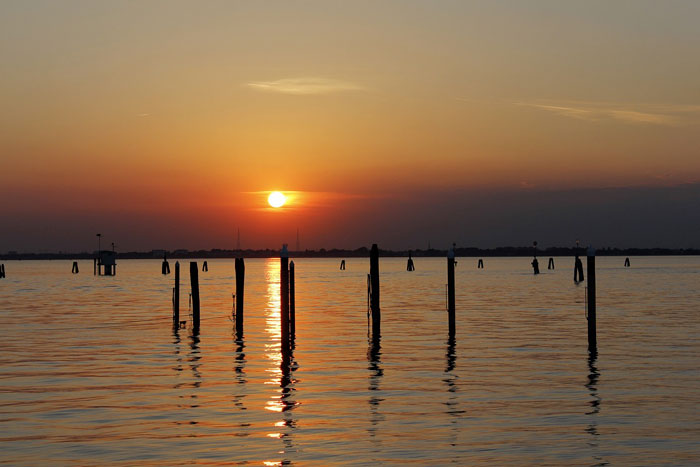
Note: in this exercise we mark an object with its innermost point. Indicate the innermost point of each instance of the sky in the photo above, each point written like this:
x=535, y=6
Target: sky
x=165, y=124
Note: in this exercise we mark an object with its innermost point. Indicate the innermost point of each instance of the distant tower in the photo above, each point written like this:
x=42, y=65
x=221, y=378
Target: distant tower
x=298, y=249
x=238, y=242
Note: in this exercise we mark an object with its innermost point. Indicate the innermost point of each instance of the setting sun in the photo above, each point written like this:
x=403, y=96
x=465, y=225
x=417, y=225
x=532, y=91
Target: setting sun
x=276, y=199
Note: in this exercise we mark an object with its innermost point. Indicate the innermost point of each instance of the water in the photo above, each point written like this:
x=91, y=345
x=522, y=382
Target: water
x=91, y=371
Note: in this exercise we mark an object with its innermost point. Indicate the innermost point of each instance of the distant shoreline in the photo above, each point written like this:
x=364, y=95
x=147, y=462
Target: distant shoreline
x=359, y=253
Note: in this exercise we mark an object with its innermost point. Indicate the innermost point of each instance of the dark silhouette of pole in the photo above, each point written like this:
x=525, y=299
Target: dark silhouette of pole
x=194, y=281
x=535, y=263
x=176, y=296
x=550, y=265
x=165, y=267
x=410, y=266
x=480, y=264
x=2, y=271
x=205, y=267
x=451, y=290
x=292, y=302
x=590, y=265
x=374, y=289
x=75, y=268
x=578, y=269
x=284, y=297
x=240, y=286
x=342, y=265
x=627, y=262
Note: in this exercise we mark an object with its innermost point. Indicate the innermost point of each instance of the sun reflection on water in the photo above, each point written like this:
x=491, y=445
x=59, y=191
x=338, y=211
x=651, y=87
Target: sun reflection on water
x=283, y=365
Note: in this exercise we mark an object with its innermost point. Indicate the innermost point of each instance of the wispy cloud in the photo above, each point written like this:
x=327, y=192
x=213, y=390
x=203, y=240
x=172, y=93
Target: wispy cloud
x=650, y=114
x=305, y=86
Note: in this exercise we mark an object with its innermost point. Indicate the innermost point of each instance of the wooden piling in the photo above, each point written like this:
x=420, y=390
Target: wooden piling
x=374, y=289
x=2, y=271
x=590, y=265
x=627, y=262
x=480, y=264
x=194, y=282
x=451, y=291
x=75, y=268
x=165, y=267
x=240, y=286
x=94, y=266
x=409, y=265
x=550, y=265
x=284, y=297
x=176, y=296
x=578, y=270
x=205, y=267
x=342, y=265
x=292, y=302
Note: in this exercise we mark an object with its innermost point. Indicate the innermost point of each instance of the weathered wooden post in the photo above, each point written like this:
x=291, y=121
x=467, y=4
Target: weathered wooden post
x=75, y=268
x=374, y=289
x=194, y=282
x=590, y=265
x=284, y=297
x=240, y=286
x=205, y=267
x=627, y=262
x=2, y=271
x=550, y=265
x=176, y=296
x=480, y=264
x=292, y=302
x=94, y=266
x=410, y=266
x=342, y=265
x=451, y=290
x=578, y=269
x=165, y=267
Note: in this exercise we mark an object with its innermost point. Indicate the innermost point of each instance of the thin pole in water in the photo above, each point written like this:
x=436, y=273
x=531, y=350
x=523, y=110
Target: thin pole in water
x=194, y=281
x=590, y=265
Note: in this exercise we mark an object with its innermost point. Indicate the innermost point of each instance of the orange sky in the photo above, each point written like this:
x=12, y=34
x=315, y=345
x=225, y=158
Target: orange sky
x=164, y=108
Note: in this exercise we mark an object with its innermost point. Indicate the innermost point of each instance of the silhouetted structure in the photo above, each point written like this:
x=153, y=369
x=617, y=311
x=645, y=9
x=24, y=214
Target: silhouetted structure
x=292, y=304
x=591, y=315
x=75, y=268
x=176, y=296
x=284, y=297
x=374, y=289
x=107, y=263
x=205, y=267
x=2, y=271
x=578, y=270
x=627, y=262
x=342, y=265
x=535, y=263
x=550, y=265
x=240, y=287
x=194, y=282
x=410, y=266
x=451, y=290
x=480, y=264
x=165, y=267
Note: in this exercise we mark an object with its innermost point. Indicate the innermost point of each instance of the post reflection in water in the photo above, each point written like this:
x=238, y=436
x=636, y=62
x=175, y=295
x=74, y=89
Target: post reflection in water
x=594, y=403
x=283, y=366
x=375, y=376
x=239, y=369
x=451, y=405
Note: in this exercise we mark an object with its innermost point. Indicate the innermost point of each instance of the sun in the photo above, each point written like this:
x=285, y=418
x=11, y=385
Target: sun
x=276, y=199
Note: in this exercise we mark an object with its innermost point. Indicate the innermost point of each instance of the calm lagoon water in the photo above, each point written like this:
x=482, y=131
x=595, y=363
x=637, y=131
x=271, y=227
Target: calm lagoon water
x=91, y=371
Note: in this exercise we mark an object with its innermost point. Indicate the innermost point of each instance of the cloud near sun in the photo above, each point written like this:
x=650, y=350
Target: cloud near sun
x=305, y=86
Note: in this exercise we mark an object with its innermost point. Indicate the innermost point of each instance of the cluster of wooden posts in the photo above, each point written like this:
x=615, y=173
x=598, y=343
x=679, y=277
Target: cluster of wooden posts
x=2, y=271
x=288, y=302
